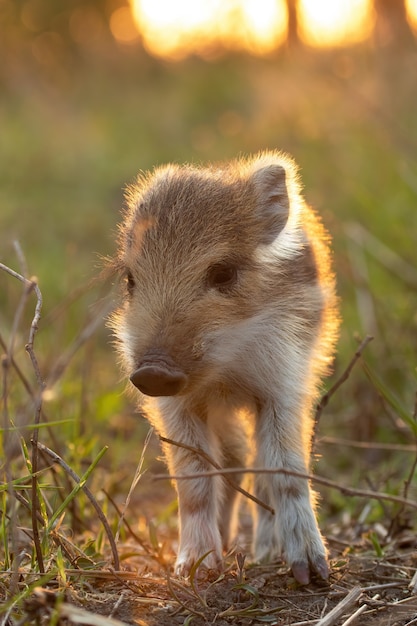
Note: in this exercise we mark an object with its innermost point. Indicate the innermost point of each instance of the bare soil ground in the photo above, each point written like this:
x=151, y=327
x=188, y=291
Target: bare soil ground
x=364, y=589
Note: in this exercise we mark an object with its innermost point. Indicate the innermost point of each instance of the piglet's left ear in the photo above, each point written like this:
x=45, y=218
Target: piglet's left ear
x=273, y=205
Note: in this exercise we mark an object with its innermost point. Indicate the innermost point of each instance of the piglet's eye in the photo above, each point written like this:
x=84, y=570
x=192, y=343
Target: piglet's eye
x=222, y=276
x=130, y=283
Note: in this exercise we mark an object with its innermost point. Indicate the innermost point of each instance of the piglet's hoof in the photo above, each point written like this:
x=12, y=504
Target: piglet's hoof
x=301, y=570
x=208, y=569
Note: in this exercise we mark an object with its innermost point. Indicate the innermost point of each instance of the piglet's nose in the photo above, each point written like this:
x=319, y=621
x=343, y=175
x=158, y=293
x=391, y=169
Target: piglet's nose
x=158, y=380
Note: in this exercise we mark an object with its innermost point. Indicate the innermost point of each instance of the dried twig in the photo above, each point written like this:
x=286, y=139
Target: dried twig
x=31, y=285
x=229, y=481
x=7, y=361
x=352, y=618
x=130, y=530
x=339, y=382
x=322, y=404
x=348, y=491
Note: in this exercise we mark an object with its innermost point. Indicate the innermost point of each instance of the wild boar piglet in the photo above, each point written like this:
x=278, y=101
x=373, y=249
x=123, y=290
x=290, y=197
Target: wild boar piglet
x=227, y=325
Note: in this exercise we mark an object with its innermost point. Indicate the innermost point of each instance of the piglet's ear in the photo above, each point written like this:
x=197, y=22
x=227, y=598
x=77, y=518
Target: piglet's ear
x=273, y=204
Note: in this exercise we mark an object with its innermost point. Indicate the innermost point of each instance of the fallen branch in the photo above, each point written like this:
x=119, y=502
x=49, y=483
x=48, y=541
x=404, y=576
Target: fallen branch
x=229, y=481
x=348, y=491
x=331, y=618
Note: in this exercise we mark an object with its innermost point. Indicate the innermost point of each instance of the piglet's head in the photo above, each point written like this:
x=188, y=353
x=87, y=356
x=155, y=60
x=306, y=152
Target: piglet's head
x=189, y=253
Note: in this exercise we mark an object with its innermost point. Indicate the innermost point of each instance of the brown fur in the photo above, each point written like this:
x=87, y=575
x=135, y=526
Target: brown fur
x=231, y=300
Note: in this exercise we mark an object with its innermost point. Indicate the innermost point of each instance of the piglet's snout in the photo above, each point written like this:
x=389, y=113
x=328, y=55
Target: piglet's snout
x=159, y=377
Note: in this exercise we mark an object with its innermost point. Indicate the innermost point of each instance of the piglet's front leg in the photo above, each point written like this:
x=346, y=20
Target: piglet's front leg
x=198, y=498
x=198, y=536
x=293, y=531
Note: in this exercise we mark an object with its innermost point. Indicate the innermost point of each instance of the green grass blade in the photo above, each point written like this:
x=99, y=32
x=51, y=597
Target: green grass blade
x=391, y=399
x=78, y=487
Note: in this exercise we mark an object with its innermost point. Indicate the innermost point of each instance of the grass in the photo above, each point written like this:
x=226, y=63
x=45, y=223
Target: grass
x=72, y=137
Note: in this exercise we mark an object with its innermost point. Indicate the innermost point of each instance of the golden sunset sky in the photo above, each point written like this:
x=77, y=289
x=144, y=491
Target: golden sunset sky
x=175, y=29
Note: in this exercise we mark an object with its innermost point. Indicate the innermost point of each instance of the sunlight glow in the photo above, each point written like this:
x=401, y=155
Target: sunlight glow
x=176, y=29
x=411, y=6
x=340, y=22
x=122, y=26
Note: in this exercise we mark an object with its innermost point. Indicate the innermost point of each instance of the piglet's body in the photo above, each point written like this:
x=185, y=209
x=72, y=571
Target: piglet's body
x=228, y=324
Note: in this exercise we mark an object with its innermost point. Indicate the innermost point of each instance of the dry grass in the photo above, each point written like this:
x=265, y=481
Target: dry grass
x=363, y=589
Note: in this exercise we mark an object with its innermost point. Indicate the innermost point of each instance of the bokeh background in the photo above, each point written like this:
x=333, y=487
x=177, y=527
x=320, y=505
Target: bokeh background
x=92, y=91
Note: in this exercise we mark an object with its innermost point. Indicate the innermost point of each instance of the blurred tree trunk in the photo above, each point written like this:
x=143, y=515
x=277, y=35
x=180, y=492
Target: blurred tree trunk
x=293, y=39
x=392, y=27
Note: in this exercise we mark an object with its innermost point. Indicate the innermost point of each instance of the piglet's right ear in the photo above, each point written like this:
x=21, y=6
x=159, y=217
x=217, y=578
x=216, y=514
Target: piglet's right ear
x=273, y=204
